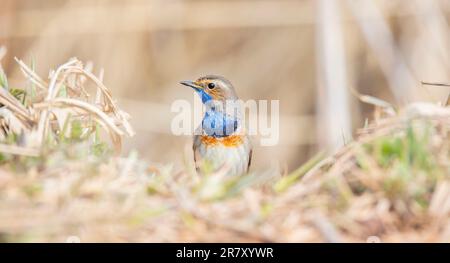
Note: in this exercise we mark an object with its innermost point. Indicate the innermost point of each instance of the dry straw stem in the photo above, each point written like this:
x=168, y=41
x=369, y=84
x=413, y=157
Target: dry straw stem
x=64, y=96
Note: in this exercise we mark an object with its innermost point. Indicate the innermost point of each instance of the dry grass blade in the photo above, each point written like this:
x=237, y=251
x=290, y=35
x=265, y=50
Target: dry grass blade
x=386, y=106
x=31, y=75
x=12, y=103
x=17, y=150
x=435, y=84
x=109, y=104
x=65, y=90
x=102, y=117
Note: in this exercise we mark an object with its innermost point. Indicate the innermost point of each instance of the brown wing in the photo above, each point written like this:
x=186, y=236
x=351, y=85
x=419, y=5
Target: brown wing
x=249, y=159
x=250, y=151
x=195, y=146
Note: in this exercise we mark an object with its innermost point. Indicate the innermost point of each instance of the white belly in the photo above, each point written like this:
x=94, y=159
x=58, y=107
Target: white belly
x=231, y=160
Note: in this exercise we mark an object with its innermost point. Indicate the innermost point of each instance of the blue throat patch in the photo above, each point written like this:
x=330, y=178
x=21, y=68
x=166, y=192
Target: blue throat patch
x=218, y=124
x=203, y=95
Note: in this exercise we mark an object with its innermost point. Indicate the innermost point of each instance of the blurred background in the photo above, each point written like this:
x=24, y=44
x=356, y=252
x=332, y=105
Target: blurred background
x=311, y=55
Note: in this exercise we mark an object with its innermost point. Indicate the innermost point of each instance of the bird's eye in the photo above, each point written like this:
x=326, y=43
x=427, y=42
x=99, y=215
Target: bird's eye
x=211, y=85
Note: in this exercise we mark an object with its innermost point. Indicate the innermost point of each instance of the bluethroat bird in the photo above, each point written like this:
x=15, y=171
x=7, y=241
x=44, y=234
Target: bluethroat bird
x=220, y=143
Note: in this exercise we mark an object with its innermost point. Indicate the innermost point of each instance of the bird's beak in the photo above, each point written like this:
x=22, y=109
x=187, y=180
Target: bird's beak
x=191, y=84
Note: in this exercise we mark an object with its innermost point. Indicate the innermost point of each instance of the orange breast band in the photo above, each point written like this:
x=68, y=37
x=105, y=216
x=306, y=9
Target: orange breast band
x=228, y=141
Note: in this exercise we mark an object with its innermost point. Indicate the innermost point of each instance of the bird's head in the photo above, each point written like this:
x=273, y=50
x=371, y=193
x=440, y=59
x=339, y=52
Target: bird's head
x=212, y=87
